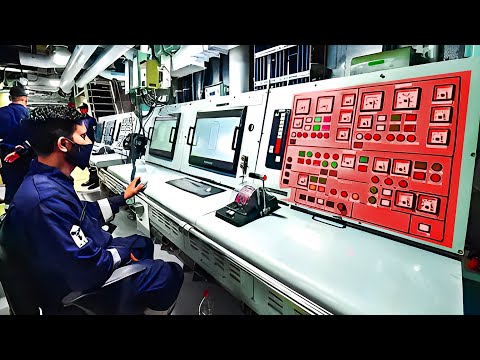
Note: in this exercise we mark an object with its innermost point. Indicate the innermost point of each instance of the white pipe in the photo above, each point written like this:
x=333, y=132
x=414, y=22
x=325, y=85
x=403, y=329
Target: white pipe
x=80, y=56
x=112, y=53
x=110, y=75
x=37, y=60
x=238, y=69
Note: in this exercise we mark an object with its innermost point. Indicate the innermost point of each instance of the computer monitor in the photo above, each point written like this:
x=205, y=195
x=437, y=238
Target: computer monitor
x=98, y=134
x=108, y=132
x=164, y=136
x=216, y=140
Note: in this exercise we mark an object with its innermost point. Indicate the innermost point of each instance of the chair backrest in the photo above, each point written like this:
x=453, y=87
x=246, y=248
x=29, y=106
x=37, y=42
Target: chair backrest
x=17, y=286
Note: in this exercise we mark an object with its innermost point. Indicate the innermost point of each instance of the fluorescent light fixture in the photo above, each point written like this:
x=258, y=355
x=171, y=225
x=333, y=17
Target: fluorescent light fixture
x=60, y=55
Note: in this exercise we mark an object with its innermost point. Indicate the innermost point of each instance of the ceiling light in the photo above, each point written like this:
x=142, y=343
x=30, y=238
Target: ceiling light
x=60, y=55
x=23, y=81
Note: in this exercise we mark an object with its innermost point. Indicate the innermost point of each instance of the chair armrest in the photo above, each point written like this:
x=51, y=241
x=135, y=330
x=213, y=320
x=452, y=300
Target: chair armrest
x=117, y=275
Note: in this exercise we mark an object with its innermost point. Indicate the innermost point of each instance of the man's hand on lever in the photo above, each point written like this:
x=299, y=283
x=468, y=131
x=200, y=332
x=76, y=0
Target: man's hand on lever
x=133, y=189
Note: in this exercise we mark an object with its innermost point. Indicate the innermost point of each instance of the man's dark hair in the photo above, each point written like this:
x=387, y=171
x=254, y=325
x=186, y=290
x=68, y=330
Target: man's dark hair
x=46, y=124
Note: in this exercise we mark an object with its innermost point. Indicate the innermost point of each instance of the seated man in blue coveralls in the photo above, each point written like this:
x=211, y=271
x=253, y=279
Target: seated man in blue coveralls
x=60, y=238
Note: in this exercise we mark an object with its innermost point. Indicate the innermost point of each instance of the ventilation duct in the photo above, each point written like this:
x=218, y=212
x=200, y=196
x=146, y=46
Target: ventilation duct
x=37, y=60
x=80, y=56
x=104, y=60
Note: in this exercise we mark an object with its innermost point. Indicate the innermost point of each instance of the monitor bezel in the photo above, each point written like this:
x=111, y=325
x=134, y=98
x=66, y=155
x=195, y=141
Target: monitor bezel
x=218, y=166
x=167, y=155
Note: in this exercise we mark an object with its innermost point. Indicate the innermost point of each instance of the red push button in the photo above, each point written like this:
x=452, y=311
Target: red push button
x=319, y=135
x=316, y=162
x=390, y=137
x=410, y=117
x=344, y=194
x=403, y=183
x=368, y=136
x=419, y=175
x=435, y=178
x=341, y=207
x=326, y=135
x=377, y=137
x=299, y=134
x=335, y=156
x=409, y=128
x=388, y=181
x=400, y=137
x=375, y=179
x=308, y=161
x=305, y=134
x=333, y=173
x=326, y=155
x=313, y=135
x=411, y=138
x=333, y=191
x=317, y=155
x=362, y=168
x=300, y=160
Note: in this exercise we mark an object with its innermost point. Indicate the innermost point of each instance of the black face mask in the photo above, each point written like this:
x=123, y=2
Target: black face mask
x=80, y=156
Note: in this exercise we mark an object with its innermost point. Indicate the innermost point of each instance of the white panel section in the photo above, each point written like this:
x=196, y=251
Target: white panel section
x=255, y=102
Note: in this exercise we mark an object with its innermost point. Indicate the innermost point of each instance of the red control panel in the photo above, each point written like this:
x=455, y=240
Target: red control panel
x=384, y=154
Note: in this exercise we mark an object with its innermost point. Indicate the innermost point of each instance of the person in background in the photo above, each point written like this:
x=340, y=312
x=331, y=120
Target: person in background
x=64, y=247
x=90, y=123
x=14, y=166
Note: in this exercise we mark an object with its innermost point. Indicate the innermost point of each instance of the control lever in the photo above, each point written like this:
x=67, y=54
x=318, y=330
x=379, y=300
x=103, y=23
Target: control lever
x=263, y=178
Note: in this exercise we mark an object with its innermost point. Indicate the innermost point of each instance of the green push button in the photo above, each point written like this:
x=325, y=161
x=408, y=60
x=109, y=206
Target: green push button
x=396, y=117
x=373, y=190
x=334, y=164
x=322, y=180
x=318, y=119
x=316, y=127
x=372, y=200
x=301, y=153
x=313, y=179
x=363, y=159
x=309, y=154
x=324, y=163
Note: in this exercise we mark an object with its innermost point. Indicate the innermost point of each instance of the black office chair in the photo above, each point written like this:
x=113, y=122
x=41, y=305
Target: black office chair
x=20, y=292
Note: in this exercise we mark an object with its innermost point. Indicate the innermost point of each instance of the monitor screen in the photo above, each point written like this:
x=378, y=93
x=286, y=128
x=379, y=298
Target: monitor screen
x=164, y=136
x=216, y=140
x=98, y=134
x=108, y=129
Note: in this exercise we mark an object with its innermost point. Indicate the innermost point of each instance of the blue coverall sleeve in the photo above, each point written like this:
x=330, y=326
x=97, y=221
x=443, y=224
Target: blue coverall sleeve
x=6, y=124
x=105, y=208
x=70, y=252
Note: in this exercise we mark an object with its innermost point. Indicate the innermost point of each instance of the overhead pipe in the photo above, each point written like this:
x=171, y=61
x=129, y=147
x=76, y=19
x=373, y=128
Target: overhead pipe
x=108, y=57
x=37, y=60
x=80, y=56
